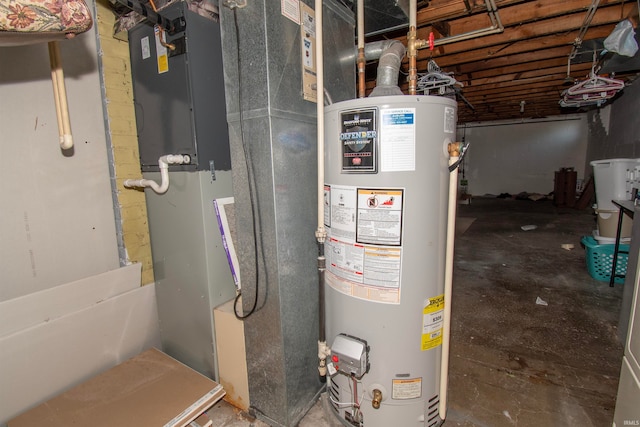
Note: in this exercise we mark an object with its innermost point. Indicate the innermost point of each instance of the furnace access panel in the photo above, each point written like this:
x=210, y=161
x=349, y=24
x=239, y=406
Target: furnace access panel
x=179, y=93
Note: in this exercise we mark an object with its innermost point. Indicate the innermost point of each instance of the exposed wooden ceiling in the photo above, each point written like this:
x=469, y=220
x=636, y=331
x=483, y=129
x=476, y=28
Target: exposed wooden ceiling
x=527, y=61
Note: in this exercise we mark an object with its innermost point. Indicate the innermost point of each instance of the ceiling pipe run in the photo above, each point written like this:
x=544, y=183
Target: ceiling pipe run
x=414, y=43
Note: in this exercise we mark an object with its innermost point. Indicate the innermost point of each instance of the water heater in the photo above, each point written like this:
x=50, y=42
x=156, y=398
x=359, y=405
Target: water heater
x=385, y=199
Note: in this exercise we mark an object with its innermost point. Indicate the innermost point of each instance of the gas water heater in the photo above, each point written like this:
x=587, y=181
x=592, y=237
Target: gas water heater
x=385, y=198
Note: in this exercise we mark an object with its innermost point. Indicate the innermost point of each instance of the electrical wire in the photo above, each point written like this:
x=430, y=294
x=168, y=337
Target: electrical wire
x=356, y=412
x=258, y=247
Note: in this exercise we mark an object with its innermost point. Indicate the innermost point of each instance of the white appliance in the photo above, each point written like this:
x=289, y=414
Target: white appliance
x=386, y=215
x=627, y=411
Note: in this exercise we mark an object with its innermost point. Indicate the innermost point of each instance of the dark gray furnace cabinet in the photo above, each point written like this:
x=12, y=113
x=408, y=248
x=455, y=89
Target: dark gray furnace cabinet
x=180, y=104
x=180, y=109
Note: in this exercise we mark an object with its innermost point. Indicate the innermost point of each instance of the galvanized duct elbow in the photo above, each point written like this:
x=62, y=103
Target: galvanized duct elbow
x=390, y=53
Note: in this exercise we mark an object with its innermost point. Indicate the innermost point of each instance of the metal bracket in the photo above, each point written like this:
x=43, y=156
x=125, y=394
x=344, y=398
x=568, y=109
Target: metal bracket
x=170, y=26
x=213, y=170
x=235, y=4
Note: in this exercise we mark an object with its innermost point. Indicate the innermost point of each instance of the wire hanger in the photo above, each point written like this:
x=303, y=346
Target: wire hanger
x=595, y=90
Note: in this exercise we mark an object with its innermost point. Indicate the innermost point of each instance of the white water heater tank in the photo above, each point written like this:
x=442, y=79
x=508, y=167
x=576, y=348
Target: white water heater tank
x=386, y=192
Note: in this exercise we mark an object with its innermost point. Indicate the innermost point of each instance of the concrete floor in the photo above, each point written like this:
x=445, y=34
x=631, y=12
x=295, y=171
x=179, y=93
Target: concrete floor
x=515, y=362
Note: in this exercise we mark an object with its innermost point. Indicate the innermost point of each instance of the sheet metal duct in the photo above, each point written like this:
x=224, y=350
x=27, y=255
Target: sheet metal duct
x=384, y=15
x=271, y=123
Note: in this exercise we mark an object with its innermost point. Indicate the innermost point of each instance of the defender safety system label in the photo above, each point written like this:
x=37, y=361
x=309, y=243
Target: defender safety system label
x=358, y=137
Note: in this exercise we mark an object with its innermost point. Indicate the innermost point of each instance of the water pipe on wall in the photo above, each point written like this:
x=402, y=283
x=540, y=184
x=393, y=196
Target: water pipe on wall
x=163, y=164
x=456, y=151
x=321, y=233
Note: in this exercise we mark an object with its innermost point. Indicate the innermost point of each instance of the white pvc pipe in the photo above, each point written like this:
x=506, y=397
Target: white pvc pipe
x=360, y=24
x=413, y=13
x=163, y=164
x=448, y=287
x=320, y=233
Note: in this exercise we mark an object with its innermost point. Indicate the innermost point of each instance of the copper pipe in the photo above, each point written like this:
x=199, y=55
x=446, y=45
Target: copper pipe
x=361, y=74
x=412, y=52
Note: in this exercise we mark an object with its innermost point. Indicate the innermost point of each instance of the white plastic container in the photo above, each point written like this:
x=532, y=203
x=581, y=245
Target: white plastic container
x=609, y=240
x=608, y=223
x=614, y=180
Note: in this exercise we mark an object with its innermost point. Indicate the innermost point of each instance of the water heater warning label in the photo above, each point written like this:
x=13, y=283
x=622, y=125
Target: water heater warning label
x=432, y=321
x=364, y=255
x=406, y=389
x=379, y=216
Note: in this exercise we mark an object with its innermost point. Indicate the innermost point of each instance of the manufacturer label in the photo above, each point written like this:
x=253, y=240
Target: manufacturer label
x=161, y=51
x=449, y=120
x=146, y=50
x=291, y=10
x=398, y=139
x=432, y=321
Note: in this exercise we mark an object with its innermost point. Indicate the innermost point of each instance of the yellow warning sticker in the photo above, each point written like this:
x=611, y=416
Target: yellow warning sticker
x=162, y=56
x=163, y=64
x=432, y=321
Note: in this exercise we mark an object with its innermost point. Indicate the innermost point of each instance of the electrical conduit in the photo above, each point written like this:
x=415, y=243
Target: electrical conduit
x=163, y=164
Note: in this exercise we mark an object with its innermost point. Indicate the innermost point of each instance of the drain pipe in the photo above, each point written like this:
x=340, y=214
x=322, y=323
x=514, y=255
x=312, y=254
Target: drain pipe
x=321, y=233
x=361, y=56
x=163, y=163
x=391, y=53
x=454, y=149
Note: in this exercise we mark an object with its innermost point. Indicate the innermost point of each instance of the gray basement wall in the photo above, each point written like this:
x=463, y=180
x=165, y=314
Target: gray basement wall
x=614, y=131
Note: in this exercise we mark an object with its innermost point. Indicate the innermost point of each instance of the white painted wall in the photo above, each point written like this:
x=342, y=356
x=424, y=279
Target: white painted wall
x=58, y=220
x=68, y=310
x=512, y=157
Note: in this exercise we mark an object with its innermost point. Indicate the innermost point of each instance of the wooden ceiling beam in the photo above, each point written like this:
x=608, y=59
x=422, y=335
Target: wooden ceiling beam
x=541, y=10
x=564, y=25
x=553, y=72
x=528, y=57
x=439, y=10
x=522, y=46
x=514, y=68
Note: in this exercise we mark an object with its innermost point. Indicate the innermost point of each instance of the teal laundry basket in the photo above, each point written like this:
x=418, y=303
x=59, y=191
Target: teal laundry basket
x=600, y=260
